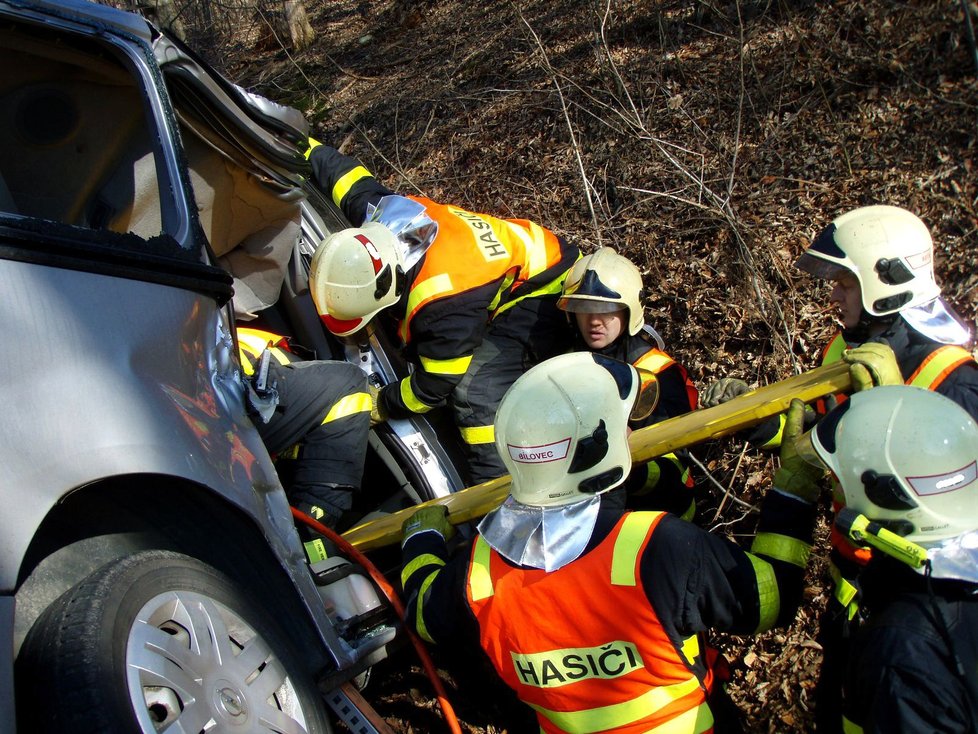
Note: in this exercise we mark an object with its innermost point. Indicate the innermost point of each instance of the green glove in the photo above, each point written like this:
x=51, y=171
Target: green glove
x=431, y=517
x=796, y=476
x=872, y=364
x=377, y=412
x=724, y=389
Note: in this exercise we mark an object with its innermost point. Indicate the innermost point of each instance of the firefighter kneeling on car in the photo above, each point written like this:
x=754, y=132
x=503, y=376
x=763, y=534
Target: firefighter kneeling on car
x=596, y=616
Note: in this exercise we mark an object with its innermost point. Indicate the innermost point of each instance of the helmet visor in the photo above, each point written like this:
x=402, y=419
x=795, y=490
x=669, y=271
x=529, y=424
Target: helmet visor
x=578, y=304
x=819, y=267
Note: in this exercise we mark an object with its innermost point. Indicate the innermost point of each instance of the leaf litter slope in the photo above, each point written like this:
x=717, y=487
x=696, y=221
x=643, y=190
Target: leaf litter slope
x=706, y=141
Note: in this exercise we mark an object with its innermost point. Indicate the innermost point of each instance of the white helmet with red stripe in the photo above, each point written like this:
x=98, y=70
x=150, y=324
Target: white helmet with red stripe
x=356, y=273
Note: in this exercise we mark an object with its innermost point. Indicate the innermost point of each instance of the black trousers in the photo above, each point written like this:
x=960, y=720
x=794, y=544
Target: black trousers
x=528, y=333
x=319, y=432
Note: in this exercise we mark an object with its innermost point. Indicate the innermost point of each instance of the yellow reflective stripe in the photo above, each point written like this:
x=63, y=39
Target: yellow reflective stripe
x=782, y=547
x=433, y=286
x=412, y=401
x=775, y=440
x=313, y=143
x=849, y=727
x=425, y=559
x=938, y=362
x=480, y=580
x=691, y=649
x=534, y=246
x=315, y=550
x=844, y=592
x=342, y=187
x=622, y=714
x=768, y=594
x=554, y=286
x=454, y=366
x=477, y=435
x=358, y=402
x=419, y=624
x=654, y=362
x=627, y=546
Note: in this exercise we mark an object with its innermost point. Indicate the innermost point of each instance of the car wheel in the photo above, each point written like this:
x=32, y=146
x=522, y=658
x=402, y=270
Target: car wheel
x=160, y=642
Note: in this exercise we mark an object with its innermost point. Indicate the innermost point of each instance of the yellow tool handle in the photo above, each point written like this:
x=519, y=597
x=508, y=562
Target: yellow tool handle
x=646, y=444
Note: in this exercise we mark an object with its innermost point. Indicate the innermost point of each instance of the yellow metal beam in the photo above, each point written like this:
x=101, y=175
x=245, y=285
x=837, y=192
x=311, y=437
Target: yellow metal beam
x=646, y=444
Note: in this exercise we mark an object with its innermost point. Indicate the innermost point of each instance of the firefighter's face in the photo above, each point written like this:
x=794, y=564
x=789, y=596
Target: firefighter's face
x=600, y=329
x=847, y=298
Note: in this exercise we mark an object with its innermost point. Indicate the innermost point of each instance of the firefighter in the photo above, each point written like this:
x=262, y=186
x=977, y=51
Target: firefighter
x=906, y=459
x=313, y=416
x=880, y=260
x=596, y=616
x=471, y=296
x=604, y=293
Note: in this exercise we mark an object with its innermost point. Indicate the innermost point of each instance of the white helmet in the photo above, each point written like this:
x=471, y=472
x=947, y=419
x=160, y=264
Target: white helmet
x=888, y=250
x=354, y=274
x=905, y=458
x=561, y=428
x=604, y=282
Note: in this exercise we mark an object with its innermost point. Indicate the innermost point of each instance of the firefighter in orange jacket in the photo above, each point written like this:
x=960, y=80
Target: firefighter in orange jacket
x=880, y=260
x=473, y=297
x=313, y=416
x=594, y=615
x=603, y=292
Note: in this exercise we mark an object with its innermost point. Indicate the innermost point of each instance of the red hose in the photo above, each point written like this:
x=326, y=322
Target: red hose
x=395, y=601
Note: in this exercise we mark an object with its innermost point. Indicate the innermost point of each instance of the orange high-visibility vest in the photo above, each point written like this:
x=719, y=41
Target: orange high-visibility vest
x=655, y=361
x=588, y=662
x=472, y=250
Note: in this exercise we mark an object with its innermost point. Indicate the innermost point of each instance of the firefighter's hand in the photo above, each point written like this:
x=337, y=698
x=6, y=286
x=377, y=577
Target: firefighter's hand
x=724, y=389
x=796, y=476
x=377, y=412
x=432, y=517
x=872, y=364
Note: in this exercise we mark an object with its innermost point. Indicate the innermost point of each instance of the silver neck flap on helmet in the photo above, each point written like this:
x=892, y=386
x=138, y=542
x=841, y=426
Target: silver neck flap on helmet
x=540, y=537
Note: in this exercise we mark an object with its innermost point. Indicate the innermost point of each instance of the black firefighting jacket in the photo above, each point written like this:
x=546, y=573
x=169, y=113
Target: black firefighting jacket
x=913, y=668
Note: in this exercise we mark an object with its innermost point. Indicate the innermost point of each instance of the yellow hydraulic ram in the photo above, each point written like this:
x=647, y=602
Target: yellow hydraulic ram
x=646, y=444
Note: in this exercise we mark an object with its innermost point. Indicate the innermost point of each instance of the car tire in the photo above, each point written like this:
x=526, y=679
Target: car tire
x=159, y=640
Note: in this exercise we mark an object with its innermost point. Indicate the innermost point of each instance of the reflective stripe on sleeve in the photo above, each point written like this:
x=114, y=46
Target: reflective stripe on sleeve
x=342, y=187
x=478, y=435
x=411, y=401
x=419, y=624
x=782, y=548
x=768, y=593
x=775, y=440
x=849, y=727
x=454, y=366
x=425, y=559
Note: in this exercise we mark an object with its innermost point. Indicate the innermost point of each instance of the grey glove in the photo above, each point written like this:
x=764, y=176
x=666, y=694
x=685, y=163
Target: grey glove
x=724, y=389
